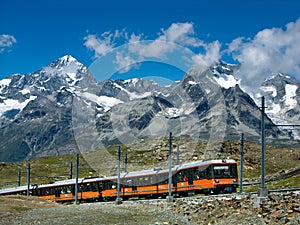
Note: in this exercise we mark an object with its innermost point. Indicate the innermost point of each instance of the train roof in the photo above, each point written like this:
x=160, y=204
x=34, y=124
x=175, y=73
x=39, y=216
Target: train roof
x=176, y=168
x=206, y=162
x=13, y=190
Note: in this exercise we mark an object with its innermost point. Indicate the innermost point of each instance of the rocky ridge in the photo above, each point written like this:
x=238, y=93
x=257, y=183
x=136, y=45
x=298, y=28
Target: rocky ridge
x=62, y=109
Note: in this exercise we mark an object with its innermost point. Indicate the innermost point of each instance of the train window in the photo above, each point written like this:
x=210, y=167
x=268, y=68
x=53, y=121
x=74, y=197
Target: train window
x=198, y=174
x=190, y=176
x=151, y=180
x=186, y=175
x=128, y=182
x=135, y=182
x=179, y=177
x=94, y=186
x=108, y=184
x=69, y=189
x=201, y=172
x=141, y=181
x=89, y=187
x=162, y=179
x=147, y=180
x=221, y=171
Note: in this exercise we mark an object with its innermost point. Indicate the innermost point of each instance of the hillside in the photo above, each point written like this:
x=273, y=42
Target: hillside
x=153, y=154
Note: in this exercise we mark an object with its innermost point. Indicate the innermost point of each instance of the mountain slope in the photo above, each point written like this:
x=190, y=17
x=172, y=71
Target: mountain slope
x=61, y=109
x=36, y=110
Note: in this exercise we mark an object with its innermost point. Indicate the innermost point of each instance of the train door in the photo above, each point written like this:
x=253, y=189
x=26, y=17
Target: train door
x=191, y=176
x=188, y=176
x=99, y=188
x=174, y=182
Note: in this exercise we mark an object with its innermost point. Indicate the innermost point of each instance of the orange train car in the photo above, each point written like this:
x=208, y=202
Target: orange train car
x=207, y=177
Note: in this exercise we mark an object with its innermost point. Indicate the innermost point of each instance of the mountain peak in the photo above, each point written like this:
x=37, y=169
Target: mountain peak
x=279, y=80
x=68, y=58
x=223, y=74
x=66, y=61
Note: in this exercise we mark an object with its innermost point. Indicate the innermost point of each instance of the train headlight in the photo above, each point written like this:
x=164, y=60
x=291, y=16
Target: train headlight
x=217, y=181
x=234, y=181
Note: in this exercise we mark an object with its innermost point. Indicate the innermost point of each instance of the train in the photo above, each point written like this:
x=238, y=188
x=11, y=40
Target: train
x=200, y=177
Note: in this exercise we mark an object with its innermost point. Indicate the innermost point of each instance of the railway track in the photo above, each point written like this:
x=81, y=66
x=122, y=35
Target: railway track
x=203, y=197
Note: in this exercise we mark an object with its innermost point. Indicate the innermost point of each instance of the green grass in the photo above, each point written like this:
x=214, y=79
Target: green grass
x=292, y=182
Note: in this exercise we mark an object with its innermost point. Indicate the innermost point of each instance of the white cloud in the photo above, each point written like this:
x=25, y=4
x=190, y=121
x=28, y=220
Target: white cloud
x=212, y=52
x=100, y=46
x=6, y=41
x=156, y=48
x=105, y=43
x=212, y=55
x=178, y=35
x=270, y=51
x=182, y=34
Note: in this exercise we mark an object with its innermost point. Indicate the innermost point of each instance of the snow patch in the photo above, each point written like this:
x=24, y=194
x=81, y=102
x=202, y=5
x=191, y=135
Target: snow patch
x=173, y=112
x=104, y=101
x=227, y=81
x=4, y=82
x=72, y=75
x=133, y=95
x=192, y=82
x=10, y=104
x=133, y=81
x=274, y=109
x=290, y=96
x=25, y=91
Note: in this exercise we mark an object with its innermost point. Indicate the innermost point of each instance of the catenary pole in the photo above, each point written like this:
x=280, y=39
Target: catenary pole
x=19, y=176
x=28, y=179
x=118, y=200
x=170, y=165
x=242, y=162
x=76, y=179
x=263, y=190
x=170, y=197
x=71, y=170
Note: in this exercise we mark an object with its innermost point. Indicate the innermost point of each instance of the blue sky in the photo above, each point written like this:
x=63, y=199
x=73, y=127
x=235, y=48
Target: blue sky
x=257, y=33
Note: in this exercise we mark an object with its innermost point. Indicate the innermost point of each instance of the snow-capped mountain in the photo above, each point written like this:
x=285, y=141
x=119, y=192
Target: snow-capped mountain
x=35, y=110
x=223, y=73
x=282, y=94
x=197, y=106
x=61, y=109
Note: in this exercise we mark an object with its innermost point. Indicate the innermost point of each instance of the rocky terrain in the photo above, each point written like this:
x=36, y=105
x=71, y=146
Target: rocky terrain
x=278, y=208
x=239, y=209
